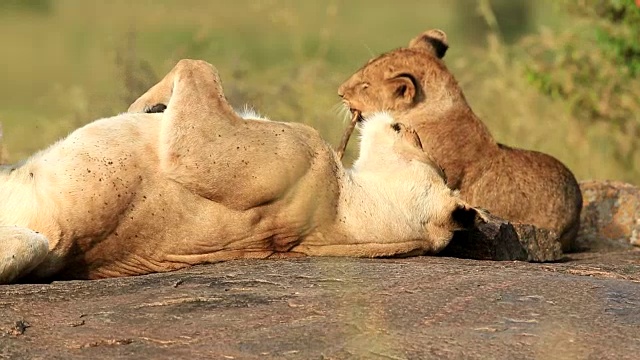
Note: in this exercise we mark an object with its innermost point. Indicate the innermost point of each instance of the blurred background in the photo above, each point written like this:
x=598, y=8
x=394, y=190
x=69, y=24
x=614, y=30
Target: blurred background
x=556, y=76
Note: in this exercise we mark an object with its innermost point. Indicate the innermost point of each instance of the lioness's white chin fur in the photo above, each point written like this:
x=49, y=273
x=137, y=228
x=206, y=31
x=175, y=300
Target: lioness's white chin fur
x=374, y=143
x=250, y=113
x=374, y=123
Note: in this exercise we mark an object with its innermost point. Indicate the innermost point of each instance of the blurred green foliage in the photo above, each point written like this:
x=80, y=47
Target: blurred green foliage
x=69, y=62
x=515, y=17
x=33, y=6
x=594, y=66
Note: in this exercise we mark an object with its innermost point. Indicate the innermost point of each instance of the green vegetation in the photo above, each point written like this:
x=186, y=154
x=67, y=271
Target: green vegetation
x=594, y=68
x=563, y=90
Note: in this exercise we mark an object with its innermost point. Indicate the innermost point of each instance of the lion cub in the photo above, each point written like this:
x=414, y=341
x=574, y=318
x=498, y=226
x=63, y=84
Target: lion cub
x=415, y=86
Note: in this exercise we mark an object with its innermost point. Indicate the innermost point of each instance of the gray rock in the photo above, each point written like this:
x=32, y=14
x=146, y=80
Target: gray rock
x=541, y=245
x=610, y=218
x=500, y=240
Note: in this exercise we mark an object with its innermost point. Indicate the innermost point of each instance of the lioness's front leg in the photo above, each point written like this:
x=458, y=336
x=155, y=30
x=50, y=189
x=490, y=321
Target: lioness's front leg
x=196, y=126
x=193, y=82
x=21, y=250
x=205, y=146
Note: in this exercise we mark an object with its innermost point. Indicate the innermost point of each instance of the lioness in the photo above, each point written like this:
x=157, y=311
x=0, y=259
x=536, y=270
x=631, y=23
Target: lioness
x=416, y=87
x=149, y=192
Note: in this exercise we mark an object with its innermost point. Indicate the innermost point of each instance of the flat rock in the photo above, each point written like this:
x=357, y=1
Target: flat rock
x=337, y=308
x=610, y=218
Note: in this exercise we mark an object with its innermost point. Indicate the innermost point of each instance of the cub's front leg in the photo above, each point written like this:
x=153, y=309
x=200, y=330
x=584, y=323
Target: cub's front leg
x=21, y=250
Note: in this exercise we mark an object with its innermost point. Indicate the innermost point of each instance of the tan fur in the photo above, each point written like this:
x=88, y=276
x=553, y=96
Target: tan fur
x=414, y=85
x=140, y=193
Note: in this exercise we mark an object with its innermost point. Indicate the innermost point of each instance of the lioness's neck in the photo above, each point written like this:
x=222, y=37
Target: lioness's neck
x=383, y=212
x=376, y=206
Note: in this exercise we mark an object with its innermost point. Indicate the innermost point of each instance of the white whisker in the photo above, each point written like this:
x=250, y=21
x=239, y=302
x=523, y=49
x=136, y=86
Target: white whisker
x=371, y=53
x=342, y=112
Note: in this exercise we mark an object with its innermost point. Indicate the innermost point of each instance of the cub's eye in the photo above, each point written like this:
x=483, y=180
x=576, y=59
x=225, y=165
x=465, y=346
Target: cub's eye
x=364, y=86
x=396, y=127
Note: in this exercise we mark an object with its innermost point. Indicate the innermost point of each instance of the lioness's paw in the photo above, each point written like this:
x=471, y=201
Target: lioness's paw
x=21, y=250
x=157, y=108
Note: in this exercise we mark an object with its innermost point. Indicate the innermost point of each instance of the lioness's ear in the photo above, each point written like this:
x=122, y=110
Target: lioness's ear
x=403, y=88
x=465, y=217
x=434, y=40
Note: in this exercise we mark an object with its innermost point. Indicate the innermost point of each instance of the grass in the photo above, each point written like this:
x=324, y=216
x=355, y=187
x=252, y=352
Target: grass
x=81, y=60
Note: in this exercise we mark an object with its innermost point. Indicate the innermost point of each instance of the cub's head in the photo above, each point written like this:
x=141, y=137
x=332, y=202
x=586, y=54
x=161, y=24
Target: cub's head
x=403, y=79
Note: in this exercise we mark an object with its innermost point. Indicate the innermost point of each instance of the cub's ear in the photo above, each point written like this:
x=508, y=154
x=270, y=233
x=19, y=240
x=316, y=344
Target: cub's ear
x=434, y=40
x=465, y=217
x=402, y=87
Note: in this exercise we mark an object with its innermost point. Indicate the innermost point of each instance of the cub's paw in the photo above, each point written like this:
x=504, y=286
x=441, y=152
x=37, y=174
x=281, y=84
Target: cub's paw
x=484, y=216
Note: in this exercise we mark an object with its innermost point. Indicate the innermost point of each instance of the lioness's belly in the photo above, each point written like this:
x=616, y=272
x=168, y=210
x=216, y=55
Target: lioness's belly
x=167, y=227
x=119, y=215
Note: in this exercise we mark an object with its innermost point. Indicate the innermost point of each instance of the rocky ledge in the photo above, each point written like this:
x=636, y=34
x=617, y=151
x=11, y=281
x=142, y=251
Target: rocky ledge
x=337, y=308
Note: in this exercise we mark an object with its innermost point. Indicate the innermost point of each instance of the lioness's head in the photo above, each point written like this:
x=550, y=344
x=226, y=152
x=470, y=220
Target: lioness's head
x=381, y=136
x=392, y=153
x=403, y=79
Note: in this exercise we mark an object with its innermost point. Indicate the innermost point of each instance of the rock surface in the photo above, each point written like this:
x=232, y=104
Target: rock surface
x=610, y=216
x=337, y=308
